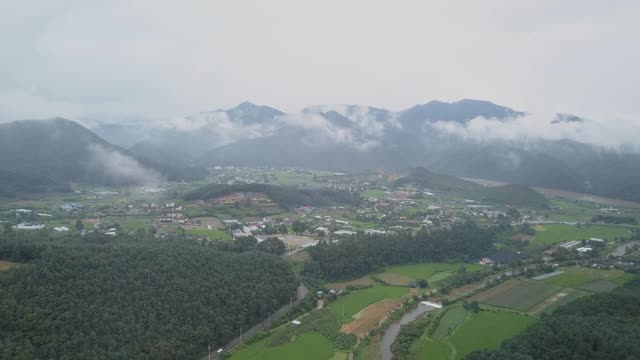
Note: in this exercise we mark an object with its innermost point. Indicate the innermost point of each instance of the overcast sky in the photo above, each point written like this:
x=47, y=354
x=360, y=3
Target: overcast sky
x=154, y=58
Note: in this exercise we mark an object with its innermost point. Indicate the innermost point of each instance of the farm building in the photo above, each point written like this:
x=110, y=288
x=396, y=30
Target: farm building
x=503, y=257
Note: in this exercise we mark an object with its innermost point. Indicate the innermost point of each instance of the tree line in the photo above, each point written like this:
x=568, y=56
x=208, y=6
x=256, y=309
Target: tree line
x=362, y=254
x=133, y=298
x=597, y=327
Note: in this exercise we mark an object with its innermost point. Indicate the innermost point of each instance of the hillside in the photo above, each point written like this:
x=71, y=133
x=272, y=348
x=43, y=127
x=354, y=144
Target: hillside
x=515, y=195
x=428, y=180
x=60, y=151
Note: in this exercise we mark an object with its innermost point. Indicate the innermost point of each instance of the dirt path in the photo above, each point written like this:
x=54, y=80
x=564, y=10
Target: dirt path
x=538, y=308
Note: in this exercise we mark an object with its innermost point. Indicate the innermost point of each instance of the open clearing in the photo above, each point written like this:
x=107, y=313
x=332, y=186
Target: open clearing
x=485, y=330
x=296, y=241
x=363, y=281
x=518, y=294
x=349, y=305
x=213, y=234
x=571, y=295
x=205, y=222
x=5, y=265
x=311, y=345
x=433, y=272
x=394, y=279
x=579, y=277
x=370, y=317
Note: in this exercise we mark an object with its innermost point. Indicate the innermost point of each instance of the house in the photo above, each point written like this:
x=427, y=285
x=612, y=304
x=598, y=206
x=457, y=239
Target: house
x=296, y=322
x=61, y=229
x=597, y=241
x=23, y=211
x=344, y=232
x=583, y=250
x=374, y=232
x=24, y=226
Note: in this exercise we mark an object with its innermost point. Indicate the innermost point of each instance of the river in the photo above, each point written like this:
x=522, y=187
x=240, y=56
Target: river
x=393, y=330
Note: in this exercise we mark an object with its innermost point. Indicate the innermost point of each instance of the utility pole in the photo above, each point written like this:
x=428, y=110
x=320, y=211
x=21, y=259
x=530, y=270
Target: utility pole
x=209, y=351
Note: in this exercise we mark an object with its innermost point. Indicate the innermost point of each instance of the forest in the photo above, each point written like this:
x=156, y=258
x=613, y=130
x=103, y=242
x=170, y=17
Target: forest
x=598, y=327
x=363, y=254
x=287, y=197
x=129, y=297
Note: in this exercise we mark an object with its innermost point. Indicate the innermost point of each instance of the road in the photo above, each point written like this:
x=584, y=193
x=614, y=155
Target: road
x=300, y=294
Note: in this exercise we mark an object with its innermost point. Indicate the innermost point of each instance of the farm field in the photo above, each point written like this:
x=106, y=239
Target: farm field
x=213, y=234
x=551, y=234
x=484, y=330
x=433, y=272
x=299, y=348
x=581, y=277
x=349, y=305
x=453, y=318
x=487, y=330
x=517, y=294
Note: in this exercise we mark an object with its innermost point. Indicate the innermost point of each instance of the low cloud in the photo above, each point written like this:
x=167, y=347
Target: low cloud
x=119, y=168
x=618, y=135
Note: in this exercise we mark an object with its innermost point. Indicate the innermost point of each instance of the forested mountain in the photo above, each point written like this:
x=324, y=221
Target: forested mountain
x=48, y=155
x=598, y=327
x=131, y=297
x=351, y=137
x=287, y=197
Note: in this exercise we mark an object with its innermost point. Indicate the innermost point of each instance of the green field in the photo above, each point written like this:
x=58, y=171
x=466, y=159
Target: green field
x=432, y=272
x=517, y=294
x=556, y=233
x=373, y=193
x=453, y=318
x=311, y=345
x=485, y=330
x=349, y=305
x=214, y=234
x=581, y=277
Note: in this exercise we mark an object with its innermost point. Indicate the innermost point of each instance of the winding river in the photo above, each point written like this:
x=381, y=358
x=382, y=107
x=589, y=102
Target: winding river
x=393, y=330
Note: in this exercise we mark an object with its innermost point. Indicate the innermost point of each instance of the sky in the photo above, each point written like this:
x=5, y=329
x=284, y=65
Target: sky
x=150, y=59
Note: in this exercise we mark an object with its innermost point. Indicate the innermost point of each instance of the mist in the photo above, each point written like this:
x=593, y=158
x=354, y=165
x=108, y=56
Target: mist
x=119, y=168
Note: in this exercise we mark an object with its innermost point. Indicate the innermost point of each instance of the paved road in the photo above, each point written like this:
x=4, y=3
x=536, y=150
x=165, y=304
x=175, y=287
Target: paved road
x=300, y=294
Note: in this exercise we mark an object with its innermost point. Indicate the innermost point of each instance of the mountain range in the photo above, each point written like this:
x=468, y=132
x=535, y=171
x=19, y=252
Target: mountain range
x=332, y=137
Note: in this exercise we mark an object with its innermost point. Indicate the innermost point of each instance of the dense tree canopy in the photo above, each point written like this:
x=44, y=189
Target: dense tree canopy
x=364, y=254
x=125, y=298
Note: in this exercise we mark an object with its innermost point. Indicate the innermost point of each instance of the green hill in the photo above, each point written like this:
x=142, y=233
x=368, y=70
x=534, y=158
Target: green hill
x=516, y=195
x=422, y=177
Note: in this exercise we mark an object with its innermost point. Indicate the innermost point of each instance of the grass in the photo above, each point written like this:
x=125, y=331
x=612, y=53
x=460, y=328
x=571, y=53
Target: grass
x=578, y=277
x=6, y=265
x=433, y=272
x=214, y=234
x=518, y=294
x=487, y=330
x=349, y=305
x=373, y=193
x=311, y=346
x=556, y=233
x=573, y=295
x=429, y=349
x=453, y=318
